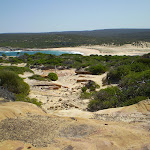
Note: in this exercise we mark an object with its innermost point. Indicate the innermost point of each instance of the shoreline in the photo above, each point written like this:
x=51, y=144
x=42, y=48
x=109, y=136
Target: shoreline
x=127, y=49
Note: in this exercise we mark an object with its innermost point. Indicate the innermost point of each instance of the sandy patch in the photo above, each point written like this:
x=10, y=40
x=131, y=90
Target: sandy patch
x=67, y=97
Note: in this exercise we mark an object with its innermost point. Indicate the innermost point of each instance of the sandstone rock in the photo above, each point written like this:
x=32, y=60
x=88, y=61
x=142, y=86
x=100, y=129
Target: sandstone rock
x=82, y=80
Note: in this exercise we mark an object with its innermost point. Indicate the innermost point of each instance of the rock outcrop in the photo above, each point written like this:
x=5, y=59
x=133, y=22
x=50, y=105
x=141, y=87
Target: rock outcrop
x=25, y=126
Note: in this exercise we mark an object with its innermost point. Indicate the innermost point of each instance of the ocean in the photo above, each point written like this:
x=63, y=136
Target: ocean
x=20, y=52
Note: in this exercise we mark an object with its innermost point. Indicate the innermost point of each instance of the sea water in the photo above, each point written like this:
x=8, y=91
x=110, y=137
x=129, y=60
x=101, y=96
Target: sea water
x=21, y=52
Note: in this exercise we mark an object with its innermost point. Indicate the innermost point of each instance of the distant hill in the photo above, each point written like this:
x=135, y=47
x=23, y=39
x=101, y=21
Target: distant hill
x=74, y=38
x=106, y=32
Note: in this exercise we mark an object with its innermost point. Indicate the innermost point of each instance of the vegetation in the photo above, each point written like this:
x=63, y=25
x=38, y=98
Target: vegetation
x=118, y=73
x=86, y=95
x=17, y=70
x=38, y=77
x=70, y=39
x=131, y=73
x=21, y=97
x=89, y=89
x=105, y=98
x=52, y=76
x=97, y=69
x=132, y=88
x=92, y=86
x=12, y=82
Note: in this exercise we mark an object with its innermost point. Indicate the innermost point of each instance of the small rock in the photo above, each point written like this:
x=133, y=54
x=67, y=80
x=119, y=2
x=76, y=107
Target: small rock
x=60, y=99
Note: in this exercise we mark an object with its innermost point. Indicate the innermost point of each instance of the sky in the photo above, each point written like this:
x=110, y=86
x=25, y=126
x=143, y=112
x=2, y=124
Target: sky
x=72, y=15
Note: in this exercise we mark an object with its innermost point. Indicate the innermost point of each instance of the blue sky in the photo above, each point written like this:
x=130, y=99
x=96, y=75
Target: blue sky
x=72, y=15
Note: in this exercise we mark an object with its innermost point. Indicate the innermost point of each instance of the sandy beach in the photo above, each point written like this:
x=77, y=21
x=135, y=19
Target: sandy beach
x=127, y=49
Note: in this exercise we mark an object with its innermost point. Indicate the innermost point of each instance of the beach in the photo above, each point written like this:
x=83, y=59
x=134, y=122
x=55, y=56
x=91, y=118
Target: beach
x=126, y=49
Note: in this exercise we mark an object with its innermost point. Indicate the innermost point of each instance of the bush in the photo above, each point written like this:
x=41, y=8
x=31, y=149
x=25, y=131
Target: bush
x=84, y=89
x=134, y=100
x=13, y=82
x=135, y=79
x=105, y=98
x=97, y=69
x=131, y=89
x=52, y=76
x=38, y=77
x=86, y=95
x=92, y=86
x=17, y=70
x=139, y=67
x=22, y=97
x=116, y=74
x=136, y=84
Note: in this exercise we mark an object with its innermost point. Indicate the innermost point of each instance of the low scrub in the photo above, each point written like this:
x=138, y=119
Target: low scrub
x=17, y=70
x=11, y=81
x=92, y=86
x=86, y=95
x=132, y=88
x=38, y=77
x=23, y=98
x=118, y=73
x=97, y=69
x=52, y=76
x=89, y=89
x=105, y=98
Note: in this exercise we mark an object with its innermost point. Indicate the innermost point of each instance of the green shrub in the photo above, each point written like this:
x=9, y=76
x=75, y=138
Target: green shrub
x=134, y=100
x=132, y=88
x=52, y=76
x=84, y=89
x=136, y=84
x=139, y=67
x=24, y=98
x=85, y=95
x=116, y=74
x=38, y=77
x=135, y=79
x=105, y=98
x=13, y=82
x=97, y=69
x=17, y=70
x=92, y=86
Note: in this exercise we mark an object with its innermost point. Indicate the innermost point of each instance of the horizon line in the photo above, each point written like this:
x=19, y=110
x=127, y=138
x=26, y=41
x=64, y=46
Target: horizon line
x=75, y=31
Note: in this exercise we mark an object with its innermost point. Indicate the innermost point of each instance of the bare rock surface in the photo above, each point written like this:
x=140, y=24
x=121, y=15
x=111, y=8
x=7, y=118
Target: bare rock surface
x=5, y=95
x=16, y=109
x=25, y=126
x=139, y=112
